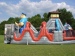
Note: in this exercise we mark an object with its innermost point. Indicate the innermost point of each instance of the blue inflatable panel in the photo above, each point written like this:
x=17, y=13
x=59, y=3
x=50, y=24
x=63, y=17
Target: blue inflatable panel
x=57, y=24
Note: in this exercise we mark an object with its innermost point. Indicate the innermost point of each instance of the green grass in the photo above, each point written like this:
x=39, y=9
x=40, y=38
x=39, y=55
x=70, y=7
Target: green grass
x=35, y=50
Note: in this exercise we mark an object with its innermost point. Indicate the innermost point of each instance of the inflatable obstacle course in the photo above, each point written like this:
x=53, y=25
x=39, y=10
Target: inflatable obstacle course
x=51, y=32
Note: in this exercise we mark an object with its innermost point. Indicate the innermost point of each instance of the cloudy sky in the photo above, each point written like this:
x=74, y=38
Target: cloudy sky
x=13, y=8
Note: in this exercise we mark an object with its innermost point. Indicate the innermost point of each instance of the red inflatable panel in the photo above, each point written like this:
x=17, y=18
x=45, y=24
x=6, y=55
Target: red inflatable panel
x=43, y=32
x=67, y=38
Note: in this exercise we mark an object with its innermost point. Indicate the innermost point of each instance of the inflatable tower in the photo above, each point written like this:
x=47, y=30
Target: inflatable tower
x=55, y=25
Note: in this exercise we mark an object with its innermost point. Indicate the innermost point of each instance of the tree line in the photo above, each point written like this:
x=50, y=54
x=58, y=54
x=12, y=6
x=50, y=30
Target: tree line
x=65, y=16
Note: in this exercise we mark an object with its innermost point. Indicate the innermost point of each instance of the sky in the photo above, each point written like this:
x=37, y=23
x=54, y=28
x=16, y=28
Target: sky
x=14, y=8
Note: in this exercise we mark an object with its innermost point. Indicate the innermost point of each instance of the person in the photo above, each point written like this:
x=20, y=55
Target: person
x=67, y=26
x=22, y=22
x=68, y=29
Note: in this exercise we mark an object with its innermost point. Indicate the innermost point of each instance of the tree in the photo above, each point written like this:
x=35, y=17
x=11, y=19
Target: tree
x=35, y=20
x=45, y=17
x=11, y=20
x=73, y=23
x=2, y=27
x=66, y=16
x=16, y=19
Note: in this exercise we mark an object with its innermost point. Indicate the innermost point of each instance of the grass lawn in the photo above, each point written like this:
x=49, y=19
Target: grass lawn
x=35, y=50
